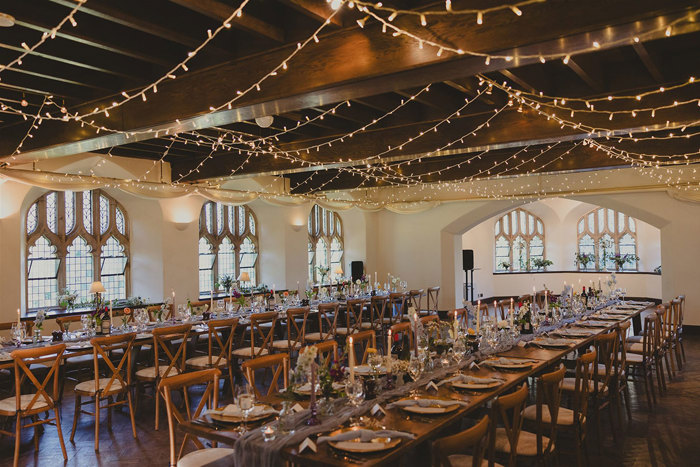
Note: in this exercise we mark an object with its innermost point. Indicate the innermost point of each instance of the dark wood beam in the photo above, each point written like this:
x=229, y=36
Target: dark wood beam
x=221, y=11
x=647, y=61
x=388, y=64
x=590, y=81
x=517, y=80
x=318, y=10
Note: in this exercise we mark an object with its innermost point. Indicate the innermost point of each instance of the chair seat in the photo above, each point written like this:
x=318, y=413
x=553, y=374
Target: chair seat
x=8, y=406
x=387, y=320
x=366, y=325
x=635, y=339
x=203, y=362
x=211, y=457
x=635, y=358
x=464, y=460
x=345, y=331
x=527, y=443
x=246, y=352
x=569, y=384
x=636, y=347
x=284, y=344
x=316, y=336
x=565, y=416
x=87, y=388
x=149, y=374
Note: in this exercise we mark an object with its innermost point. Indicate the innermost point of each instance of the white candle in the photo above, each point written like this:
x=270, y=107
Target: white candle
x=110, y=311
x=298, y=289
x=173, y=298
x=478, y=316
x=211, y=300
x=546, y=302
x=495, y=310
x=351, y=359
x=510, y=312
x=19, y=317
x=388, y=343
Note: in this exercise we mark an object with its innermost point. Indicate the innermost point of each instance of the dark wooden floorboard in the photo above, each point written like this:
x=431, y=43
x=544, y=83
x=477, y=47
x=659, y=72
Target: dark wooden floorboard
x=667, y=436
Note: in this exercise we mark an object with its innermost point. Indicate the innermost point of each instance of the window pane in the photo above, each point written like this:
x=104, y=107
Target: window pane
x=311, y=262
x=606, y=247
x=336, y=257
x=121, y=224
x=502, y=253
x=219, y=218
x=628, y=247
x=227, y=259
x=79, y=274
x=523, y=223
x=208, y=217
x=611, y=220
x=591, y=222
x=112, y=272
x=251, y=224
x=497, y=227
x=580, y=227
x=531, y=225
x=104, y=214
x=241, y=220
x=87, y=211
x=540, y=228
x=248, y=258
x=70, y=210
x=42, y=292
x=338, y=228
x=206, y=263
x=324, y=230
x=633, y=226
x=514, y=222
x=506, y=226
x=519, y=254
x=620, y=222
x=321, y=255
x=52, y=212
x=536, y=248
x=32, y=218
x=601, y=220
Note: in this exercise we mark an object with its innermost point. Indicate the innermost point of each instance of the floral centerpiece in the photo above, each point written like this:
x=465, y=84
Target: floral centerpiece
x=237, y=297
x=98, y=315
x=540, y=263
x=323, y=272
x=584, y=259
x=67, y=299
x=621, y=260
x=438, y=333
x=226, y=282
x=299, y=375
x=125, y=317
x=39, y=319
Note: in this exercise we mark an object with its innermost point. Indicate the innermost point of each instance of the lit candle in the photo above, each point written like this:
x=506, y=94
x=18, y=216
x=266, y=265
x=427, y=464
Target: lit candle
x=454, y=325
x=511, y=312
x=298, y=289
x=351, y=359
x=495, y=311
x=388, y=343
x=173, y=298
x=19, y=317
x=375, y=276
x=478, y=316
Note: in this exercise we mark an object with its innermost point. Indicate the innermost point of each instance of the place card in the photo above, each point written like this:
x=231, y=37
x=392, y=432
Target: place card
x=297, y=408
x=377, y=409
x=307, y=444
x=522, y=344
x=430, y=386
x=473, y=366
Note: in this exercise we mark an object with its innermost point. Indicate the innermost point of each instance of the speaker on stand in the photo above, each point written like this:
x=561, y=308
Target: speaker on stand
x=468, y=267
x=357, y=268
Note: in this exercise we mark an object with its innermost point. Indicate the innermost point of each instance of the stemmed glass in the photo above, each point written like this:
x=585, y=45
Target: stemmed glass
x=375, y=361
x=85, y=322
x=415, y=368
x=356, y=395
x=246, y=402
x=17, y=333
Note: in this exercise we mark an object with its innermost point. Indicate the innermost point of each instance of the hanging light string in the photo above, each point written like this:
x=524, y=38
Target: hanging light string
x=637, y=158
x=449, y=10
x=45, y=36
x=36, y=122
x=397, y=31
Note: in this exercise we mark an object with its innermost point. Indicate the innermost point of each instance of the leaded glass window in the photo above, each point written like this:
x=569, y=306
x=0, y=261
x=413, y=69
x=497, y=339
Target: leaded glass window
x=79, y=273
x=325, y=243
x=604, y=232
x=520, y=238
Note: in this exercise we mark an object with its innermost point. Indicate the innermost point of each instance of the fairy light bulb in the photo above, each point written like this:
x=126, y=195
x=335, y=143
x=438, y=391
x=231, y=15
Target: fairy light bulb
x=479, y=18
x=336, y=4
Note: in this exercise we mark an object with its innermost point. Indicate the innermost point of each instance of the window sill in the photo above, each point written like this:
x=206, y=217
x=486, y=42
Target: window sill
x=506, y=273
x=58, y=312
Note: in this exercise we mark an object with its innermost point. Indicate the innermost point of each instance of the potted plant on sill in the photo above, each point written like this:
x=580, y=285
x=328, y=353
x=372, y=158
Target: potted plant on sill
x=505, y=265
x=621, y=260
x=541, y=264
x=583, y=259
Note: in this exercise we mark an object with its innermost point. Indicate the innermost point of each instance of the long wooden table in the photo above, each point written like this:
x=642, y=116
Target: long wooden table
x=424, y=427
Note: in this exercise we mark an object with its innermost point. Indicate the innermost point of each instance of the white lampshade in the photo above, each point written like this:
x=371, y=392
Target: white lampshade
x=97, y=287
x=244, y=277
x=338, y=271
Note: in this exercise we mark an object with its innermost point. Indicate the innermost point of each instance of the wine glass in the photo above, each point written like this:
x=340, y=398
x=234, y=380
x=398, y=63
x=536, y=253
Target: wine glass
x=85, y=322
x=246, y=403
x=16, y=333
x=375, y=361
x=356, y=395
x=415, y=368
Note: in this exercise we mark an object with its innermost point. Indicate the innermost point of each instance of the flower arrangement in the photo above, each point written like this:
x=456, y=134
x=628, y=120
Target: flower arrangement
x=524, y=312
x=125, y=316
x=238, y=297
x=323, y=272
x=540, y=263
x=309, y=294
x=39, y=319
x=505, y=265
x=621, y=260
x=67, y=299
x=583, y=259
x=226, y=281
x=99, y=314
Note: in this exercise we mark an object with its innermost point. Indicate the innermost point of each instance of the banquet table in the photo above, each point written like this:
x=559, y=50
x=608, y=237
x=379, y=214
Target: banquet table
x=424, y=427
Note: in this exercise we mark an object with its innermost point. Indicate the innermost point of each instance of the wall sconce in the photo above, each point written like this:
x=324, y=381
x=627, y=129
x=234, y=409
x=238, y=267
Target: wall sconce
x=181, y=226
x=297, y=224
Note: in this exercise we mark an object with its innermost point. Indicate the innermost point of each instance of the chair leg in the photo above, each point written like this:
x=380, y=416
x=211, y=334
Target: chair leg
x=76, y=416
x=131, y=412
x=97, y=422
x=682, y=349
x=627, y=402
x=60, y=434
x=671, y=374
x=18, y=438
x=156, y=396
x=673, y=362
x=109, y=410
x=35, y=419
x=679, y=359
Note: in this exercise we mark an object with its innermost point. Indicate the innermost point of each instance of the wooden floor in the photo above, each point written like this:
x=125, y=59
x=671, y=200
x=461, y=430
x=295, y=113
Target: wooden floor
x=668, y=436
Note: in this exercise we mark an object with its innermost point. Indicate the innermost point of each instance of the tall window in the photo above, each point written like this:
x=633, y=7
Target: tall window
x=325, y=243
x=519, y=238
x=73, y=239
x=228, y=244
x=603, y=233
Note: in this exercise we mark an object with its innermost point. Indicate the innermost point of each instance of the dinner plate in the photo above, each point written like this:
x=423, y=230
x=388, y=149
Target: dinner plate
x=462, y=385
x=593, y=324
x=553, y=343
x=357, y=446
x=515, y=365
x=218, y=415
x=574, y=333
x=430, y=409
x=305, y=389
x=79, y=346
x=365, y=370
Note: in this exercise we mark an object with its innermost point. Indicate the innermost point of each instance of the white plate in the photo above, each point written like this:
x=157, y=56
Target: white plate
x=364, y=370
x=463, y=385
x=79, y=346
x=515, y=365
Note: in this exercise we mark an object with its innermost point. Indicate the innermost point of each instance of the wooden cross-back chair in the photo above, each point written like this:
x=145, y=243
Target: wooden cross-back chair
x=620, y=380
x=30, y=405
x=508, y=410
x=262, y=333
x=544, y=417
x=504, y=309
x=642, y=363
x=401, y=330
x=166, y=362
x=353, y=317
x=658, y=349
x=395, y=308
x=460, y=314
x=327, y=353
x=327, y=323
x=576, y=418
x=204, y=304
x=277, y=363
x=666, y=337
x=296, y=329
x=366, y=340
x=432, y=300
x=451, y=451
x=679, y=330
x=221, y=333
x=525, y=298
x=674, y=339
x=539, y=298
x=427, y=319
x=202, y=455
x=167, y=314
x=63, y=320
x=377, y=309
x=116, y=382
x=483, y=310
x=604, y=376
x=415, y=299
x=28, y=324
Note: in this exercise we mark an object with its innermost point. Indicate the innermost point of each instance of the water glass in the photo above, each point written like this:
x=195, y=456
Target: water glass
x=245, y=402
x=355, y=391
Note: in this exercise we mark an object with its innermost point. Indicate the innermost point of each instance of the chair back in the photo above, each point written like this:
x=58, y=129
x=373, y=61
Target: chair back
x=397, y=303
x=549, y=389
x=650, y=337
x=327, y=353
x=183, y=382
x=667, y=323
x=539, y=298
x=261, y=337
x=474, y=438
x=525, y=298
x=61, y=321
x=623, y=329
x=328, y=320
x=278, y=363
x=51, y=357
x=296, y=330
x=483, y=309
x=426, y=319
x=153, y=309
x=503, y=309
x=606, y=350
x=353, y=315
x=675, y=317
x=401, y=330
x=508, y=410
x=681, y=312
x=219, y=351
x=164, y=342
x=119, y=375
x=416, y=298
x=366, y=340
x=204, y=305
x=378, y=309
x=584, y=372
x=460, y=314
x=432, y=305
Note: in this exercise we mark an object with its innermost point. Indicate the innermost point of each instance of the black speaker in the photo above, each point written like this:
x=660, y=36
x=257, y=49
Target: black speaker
x=357, y=268
x=467, y=260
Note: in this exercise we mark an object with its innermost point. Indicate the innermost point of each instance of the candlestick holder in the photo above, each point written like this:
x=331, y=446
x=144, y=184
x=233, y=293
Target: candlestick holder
x=313, y=419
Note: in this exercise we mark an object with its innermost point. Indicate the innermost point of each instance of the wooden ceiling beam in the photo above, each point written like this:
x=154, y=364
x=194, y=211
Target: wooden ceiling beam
x=590, y=81
x=517, y=80
x=221, y=11
x=648, y=62
x=388, y=64
x=318, y=10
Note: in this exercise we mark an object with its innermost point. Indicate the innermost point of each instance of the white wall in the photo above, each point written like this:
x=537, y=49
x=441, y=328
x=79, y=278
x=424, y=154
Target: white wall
x=560, y=217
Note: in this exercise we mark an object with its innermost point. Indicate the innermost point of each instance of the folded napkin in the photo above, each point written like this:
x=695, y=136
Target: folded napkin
x=425, y=403
x=5, y=356
x=306, y=387
x=365, y=435
x=233, y=410
x=509, y=361
x=552, y=341
x=469, y=379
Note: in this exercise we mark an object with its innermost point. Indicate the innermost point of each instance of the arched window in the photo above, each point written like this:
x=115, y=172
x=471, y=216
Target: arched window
x=519, y=238
x=325, y=243
x=64, y=251
x=603, y=233
x=228, y=244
